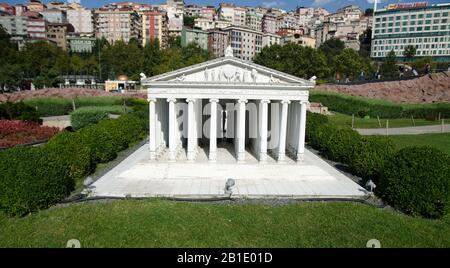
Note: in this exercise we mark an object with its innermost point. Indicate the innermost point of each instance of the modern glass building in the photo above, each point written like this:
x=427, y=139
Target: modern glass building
x=426, y=27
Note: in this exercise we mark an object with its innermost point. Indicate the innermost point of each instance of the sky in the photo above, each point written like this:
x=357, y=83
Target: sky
x=330, y=5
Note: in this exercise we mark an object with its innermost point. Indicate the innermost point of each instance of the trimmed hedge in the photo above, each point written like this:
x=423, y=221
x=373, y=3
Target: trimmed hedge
x=369, y=156
x=336, y=143
x=74, y=153
x=417, y=181
x=349, y=105
x=313, y=121
x=33, y=178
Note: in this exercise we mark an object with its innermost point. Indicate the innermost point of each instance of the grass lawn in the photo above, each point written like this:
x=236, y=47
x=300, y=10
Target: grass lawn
x=346, y=120
x=159, y=223
x=440, y=141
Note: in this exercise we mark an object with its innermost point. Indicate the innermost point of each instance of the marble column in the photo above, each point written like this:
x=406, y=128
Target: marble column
x=283, y=130
x=302, y=128
x=172, y=130
x=191, y=130
x=152, y=127
x=241, y=131
x=263, y=129
x=213, y=131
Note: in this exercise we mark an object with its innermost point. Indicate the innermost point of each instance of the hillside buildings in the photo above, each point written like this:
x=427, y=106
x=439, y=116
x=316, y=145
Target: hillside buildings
x=246, y=29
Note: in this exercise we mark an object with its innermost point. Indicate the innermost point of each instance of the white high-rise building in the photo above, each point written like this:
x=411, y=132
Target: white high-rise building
x=427, y=28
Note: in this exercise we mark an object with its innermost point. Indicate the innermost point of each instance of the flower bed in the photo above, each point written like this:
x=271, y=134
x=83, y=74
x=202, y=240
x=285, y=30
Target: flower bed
x=16, y=132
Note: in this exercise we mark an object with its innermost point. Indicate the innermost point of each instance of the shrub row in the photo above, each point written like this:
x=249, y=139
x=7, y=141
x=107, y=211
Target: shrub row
x=18, y=111
x=415, y=180
x=35, y=178
x=90, y=115
x=363, y=106
x=61, y=106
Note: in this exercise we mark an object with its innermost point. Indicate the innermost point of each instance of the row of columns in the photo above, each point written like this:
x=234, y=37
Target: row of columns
x=239, y=138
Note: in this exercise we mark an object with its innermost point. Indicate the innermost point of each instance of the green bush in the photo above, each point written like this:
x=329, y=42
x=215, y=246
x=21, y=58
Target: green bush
x=100, y=142
x=417, y=181
x=369, y=155
x=336, y=143
x=18, y=111
x=73, y=153
x=31, y=178
x=314, y=120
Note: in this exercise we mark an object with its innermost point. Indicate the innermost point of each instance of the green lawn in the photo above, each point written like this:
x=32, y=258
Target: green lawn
x=440, y=141
x=158, y=223
x=346, y=120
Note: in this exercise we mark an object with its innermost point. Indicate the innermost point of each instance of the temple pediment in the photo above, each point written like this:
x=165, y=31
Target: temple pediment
x=228, y=70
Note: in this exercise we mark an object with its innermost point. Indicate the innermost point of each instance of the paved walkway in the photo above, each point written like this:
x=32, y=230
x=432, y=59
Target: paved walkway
x=136, y=176
x=405, y=130
x=60, y=122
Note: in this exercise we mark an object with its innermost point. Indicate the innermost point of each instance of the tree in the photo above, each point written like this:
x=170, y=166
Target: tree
x=152, y=58
x=331, y=48
x=10, y=75
x=420, y=64
x=294, y=59
x=409, y=52
x=365, y=41
x=122, y=58
x=389, y=67
x=189, y=21
x=368, y=12
x=349, y=63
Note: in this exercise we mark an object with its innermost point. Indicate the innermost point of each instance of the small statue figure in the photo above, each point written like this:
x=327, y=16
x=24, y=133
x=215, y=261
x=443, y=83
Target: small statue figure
x=254, y=75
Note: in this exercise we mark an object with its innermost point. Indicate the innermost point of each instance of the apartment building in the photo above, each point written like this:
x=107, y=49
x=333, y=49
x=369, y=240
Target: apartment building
x=14, y=25
x=117, y=24
x=245, y=42
x=199, y=37
x=269, y=23
x=234, y=14
x=175, y=15
x=299, y=39
x=80, y=43
x=218, y=41
x=81, y=19
x=426, y=27
x=269, y=39
x=207, y=12
x=54, y=15
x=254, y=20
x=57, y=32
x=36, y=25
x=35, y=6
x=207, y=24
x=154, y=26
